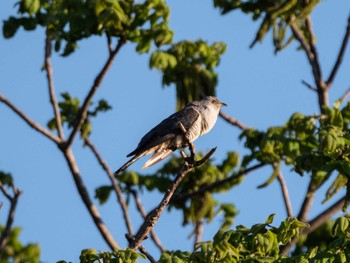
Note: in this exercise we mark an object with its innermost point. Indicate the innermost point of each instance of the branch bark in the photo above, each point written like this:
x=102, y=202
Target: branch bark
x=11, y=215
x=143, y=213
x=155, y=214
x=114, y=183
x=340, y=56
x=68, y=154
x=29, y=121
x=285, y=194
x=50, y=82
x=233, y=121
x=97, y=83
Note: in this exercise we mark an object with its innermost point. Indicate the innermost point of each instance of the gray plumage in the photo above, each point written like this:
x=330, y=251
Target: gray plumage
x=198, y=118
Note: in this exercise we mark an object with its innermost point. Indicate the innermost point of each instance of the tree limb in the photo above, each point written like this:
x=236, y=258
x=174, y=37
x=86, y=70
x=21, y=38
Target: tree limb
x=73, y=167
x=114, y=183
x=233, y=121
x=198, y=233
x=29, y=121
x=143, y=213
x=154, y=215
x=340, y=55
x=11, y=215
x=285, y=194
x=345, y=95
x=49, y=76
x=97, y=83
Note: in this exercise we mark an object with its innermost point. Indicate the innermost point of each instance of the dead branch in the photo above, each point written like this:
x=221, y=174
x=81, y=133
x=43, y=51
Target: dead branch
x=285, y=194
x=232, y=121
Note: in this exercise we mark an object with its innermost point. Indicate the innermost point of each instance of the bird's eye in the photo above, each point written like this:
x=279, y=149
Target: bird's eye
x=213, y=101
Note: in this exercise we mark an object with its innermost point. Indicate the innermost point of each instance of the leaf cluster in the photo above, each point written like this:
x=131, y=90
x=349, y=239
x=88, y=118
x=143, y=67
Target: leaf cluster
x=190, y=66
x=67, y=22
x=318, y=145
x=15, y=251
x=69, y=109
x=275, y=15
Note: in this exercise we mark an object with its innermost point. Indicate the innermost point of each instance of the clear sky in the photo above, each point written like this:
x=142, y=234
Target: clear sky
x=260, y=88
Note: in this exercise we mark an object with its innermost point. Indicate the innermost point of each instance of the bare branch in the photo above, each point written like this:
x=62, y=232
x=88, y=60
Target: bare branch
x=49, y=76
x=68, y=154
x=198, y=233
x=154, y=215
x=314, y=224
x=285, y=194
x=29, y=121
x=345, y=95
x=10, y=217
x=233, y=121
x=148, y=255
x=97, y=83
x=205, y=188
x=143, y=213
x=309, y=85
x=340, y=55
x=114, y=183
x=307, y=203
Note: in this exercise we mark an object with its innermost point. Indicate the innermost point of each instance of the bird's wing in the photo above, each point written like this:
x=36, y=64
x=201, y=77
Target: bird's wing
x=167, y=129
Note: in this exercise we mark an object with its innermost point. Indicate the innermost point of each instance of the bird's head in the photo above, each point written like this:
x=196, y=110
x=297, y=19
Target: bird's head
x=212, y=101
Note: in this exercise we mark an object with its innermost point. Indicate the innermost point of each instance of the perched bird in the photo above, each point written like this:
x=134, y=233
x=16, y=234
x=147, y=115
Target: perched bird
x=197, y=118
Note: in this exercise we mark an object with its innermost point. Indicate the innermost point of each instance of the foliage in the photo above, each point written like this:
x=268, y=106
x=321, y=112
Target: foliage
x=277, y=15
x=190, y=66
x=68, y=22
x=119, y=256
x=318, y=145
x=69, y=109
x=15, y=251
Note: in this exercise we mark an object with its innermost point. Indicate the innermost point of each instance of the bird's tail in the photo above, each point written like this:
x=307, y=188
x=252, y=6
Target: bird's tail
x=128, y=163
x=157, y=157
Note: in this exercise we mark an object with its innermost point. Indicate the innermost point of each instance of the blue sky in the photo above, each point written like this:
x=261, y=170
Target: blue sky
x=260, y=88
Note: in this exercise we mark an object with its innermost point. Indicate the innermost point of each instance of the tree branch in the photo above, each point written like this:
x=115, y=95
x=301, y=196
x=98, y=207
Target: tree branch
x=154, y=215
x=340, y=55
x=114, y=183
x=198, y=233
x=233, y=121
x=49, y=76
x=68, y=154
x=309, y=85
x=345, y=95
x=285, y=194
x=11, y=215
x=314, y=224
x=205, y=188
x=144, y=215
x=29, y=121
x=97, y=83
x=307, y=203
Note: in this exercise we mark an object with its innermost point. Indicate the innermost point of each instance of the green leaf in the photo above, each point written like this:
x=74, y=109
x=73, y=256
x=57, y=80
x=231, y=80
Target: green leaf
x=102, y=193
x=29, y=6
x=6, y=178
x=272, y=177
x=10, y=27
x=269, y=220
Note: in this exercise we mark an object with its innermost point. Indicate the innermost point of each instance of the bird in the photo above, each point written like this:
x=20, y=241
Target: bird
x=195, y=119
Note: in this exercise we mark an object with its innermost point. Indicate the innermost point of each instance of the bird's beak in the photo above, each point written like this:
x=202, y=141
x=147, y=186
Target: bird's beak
x=223, y=104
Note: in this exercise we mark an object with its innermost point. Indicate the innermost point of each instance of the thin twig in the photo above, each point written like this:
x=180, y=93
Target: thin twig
x=154, y=215
x=340, y=55
x=314, y=224
x=148, y=255
x=143, y=213
x=10, y=217
x=309, y=85
x=205, y=188
x=285, y=194
x=73, y=167
x=29, y=121
x=49, y=76
x=345, y=95
x=114, y=183
x=233, y=121
x=97, y=83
